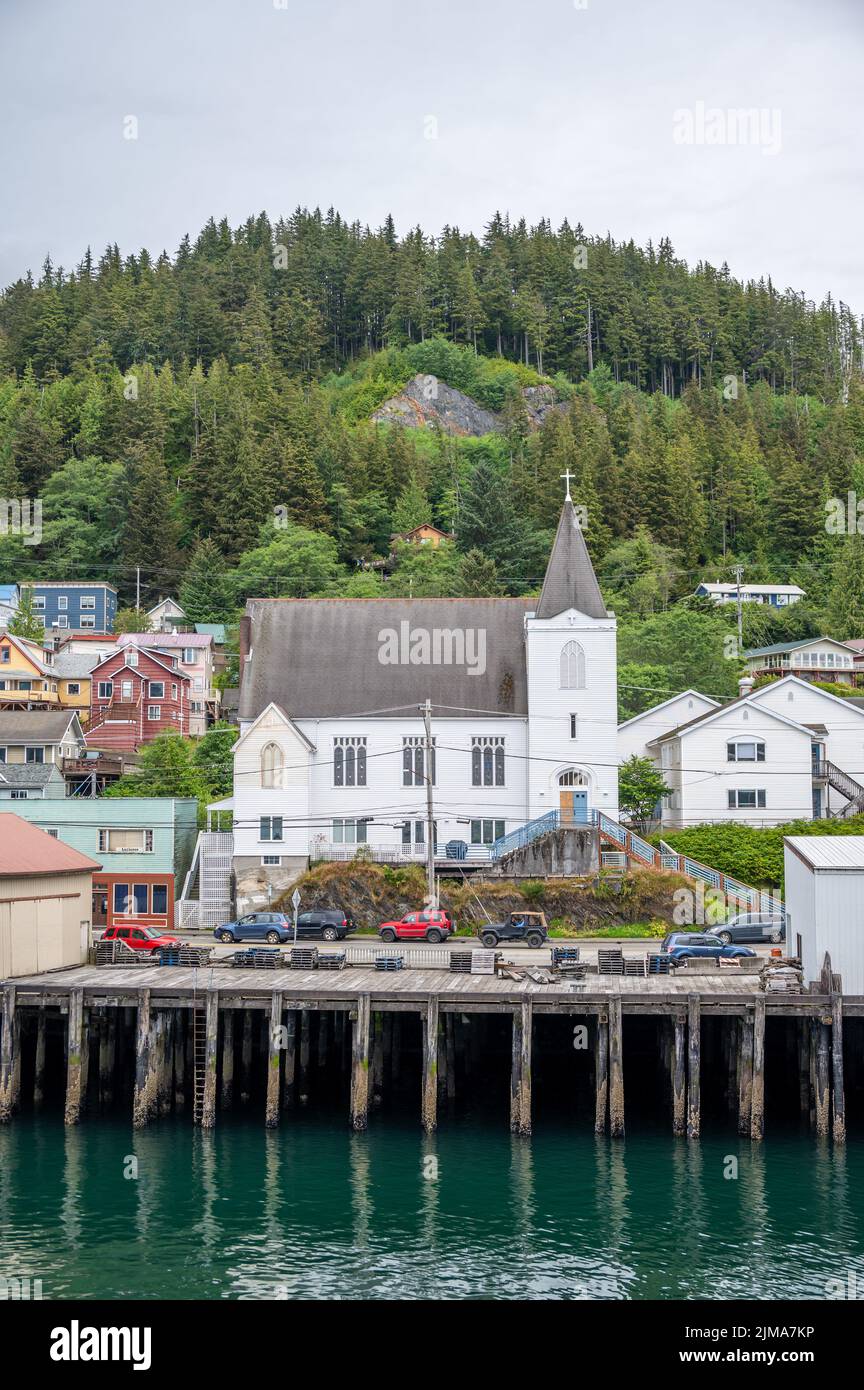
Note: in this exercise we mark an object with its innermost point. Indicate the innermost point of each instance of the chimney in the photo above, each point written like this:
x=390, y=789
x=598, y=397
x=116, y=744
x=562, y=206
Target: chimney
x=745, y=685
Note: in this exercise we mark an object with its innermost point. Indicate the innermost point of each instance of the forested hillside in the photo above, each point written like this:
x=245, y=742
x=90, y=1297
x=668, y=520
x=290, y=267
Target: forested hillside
x=162, y=408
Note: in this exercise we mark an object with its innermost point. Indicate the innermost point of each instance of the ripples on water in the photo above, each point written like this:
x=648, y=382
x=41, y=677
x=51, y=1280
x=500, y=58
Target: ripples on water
x=313, y=1211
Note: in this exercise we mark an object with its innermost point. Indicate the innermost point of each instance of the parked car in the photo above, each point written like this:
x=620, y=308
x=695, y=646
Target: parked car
x=752, y=926
x=430, y=925
x=140, y=938
x=682, y=944
x=275, y=927
x=528, y=927
x=324, y=922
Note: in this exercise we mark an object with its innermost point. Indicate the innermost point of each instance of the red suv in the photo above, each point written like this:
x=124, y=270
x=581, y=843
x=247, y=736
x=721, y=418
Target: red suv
x=430, y=925
x=141, y=938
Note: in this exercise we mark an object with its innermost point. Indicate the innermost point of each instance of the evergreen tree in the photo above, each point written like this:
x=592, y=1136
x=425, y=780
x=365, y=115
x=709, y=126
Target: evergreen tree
x=205, y=595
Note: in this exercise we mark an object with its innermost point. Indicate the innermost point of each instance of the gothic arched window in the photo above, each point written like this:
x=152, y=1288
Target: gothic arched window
x=272, y=763
x=572, y=675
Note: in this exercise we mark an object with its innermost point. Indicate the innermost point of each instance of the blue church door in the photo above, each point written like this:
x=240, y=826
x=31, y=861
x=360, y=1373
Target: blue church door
x=574, y=805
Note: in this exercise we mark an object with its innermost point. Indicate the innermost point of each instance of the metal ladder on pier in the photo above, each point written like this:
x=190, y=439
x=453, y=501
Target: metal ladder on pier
x=199, y=1052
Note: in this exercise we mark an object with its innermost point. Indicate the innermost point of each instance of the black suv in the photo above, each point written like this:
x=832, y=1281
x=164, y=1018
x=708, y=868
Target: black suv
x=529, y=927
x=332, y=926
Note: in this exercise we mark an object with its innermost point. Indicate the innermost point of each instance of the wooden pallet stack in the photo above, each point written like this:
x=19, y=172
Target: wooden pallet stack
x=183, y=955
x=562, y=954
x=116, y=952
x=303, y=958
x=610, y=962
x=258, y=959
x=331, y=960
x=634, y=965
x=460, y=962
x=483, y=962
x=389, y=962
x=657, y=964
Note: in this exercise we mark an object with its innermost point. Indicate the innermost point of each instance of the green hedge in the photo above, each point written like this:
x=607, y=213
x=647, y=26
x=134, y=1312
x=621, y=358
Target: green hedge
x=752, y=855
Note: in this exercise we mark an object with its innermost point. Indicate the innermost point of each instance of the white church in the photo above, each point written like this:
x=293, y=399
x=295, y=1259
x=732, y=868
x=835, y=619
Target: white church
x=333, y=753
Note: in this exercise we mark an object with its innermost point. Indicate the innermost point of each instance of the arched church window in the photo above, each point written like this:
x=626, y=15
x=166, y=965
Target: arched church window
x=272, y=763
x=572, y=675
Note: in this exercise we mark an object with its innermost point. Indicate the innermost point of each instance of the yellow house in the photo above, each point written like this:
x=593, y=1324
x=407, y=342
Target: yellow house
x=26, y=678
x=72, y=670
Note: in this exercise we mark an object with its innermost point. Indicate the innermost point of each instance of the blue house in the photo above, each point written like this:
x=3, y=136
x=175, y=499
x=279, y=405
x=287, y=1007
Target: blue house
x=75, y=607
x=8, y=603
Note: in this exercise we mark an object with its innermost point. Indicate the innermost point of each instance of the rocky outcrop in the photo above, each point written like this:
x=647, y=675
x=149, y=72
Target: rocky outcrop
x=427, y=402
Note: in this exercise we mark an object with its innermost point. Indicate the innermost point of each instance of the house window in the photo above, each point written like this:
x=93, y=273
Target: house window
x=348, y=831
x=413, y=762
x=417, y=830
x=131, y=657
x=487, y=762
x=88, y=603
x=122, y=900
x=745, y=751
x=73, y=688
x=154, y=713
x=128, y=840
x=271, y=828
x=106, y=690
x=62, y=603
x=160, y=899
x=140, y=898
x=188, y=656
x=87, y=620
x=747, y=799
x=173, y=690
x=574, y=726
x=126, y=690
x=272, y=763
x=2, y=755
x=572, y=672
x=18, y=796
x=5, y=653
x=52, y=832
x=157, y=690
x=34, y=755
x=39, y=603
x=271, y=860
x=349, y=762
x=486, y=832
x=61, y=621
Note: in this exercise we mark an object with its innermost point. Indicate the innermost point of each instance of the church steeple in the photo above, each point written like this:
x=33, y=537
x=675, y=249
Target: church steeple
x=570, y=580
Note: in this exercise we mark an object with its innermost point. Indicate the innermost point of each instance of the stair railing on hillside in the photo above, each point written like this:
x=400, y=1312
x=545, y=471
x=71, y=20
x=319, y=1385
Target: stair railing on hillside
x=636, y=848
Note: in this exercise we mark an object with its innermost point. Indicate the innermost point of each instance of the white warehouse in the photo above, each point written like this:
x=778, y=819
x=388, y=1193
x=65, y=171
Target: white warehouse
x=825, y=905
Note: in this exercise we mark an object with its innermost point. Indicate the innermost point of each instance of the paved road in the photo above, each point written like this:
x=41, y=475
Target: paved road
x=588, y=946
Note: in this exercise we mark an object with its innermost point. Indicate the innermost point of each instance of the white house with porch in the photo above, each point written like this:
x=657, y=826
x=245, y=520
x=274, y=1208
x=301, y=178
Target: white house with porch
x=333, y=754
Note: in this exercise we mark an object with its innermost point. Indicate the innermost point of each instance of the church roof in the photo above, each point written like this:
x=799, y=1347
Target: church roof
x=570, y=579
x=322, y=658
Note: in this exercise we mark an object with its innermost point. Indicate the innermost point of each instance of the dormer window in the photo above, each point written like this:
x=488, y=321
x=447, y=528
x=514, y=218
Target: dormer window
x=132, y=657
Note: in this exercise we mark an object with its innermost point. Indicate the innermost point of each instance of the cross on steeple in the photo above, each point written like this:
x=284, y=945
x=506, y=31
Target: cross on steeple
x=567, y=475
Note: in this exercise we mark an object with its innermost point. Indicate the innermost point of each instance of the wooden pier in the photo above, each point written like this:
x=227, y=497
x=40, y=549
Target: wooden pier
x=203, y=1041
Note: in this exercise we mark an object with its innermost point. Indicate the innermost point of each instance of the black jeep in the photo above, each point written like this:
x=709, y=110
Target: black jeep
x=528, y=927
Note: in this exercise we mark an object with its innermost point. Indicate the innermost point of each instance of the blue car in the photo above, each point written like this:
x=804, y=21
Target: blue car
x=682, y=944
x=274, y=927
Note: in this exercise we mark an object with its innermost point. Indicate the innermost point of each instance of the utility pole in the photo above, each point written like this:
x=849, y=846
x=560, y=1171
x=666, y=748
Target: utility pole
x=138, y=589
x=430, y=811
x=739, y=571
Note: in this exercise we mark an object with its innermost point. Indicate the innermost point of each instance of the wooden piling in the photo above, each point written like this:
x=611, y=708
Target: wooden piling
x=39, y=1072
x=246, y=1058
x=76, y=1062
x=323, y=1039
x=823, y=1100
x=616, y=1068
x=360, y=1064
x=757, y=1096
x=694, y=1043
x=450, y=1049
x=274, y=1059
x=520, y=1074
x=145, y=1071
x=290, y=1062
x=377, y=1059
x=107, y=1056
x=429, y=1105
x=601, y=1074
x=10, y=1057
x=179, y=1051
x=303, y=1078
x=838, y=1095
x=802, y=1026
x=679, y=1077
x=211, y=1059
x=165, y=1062
x=226, y=1094
x=745, y=1074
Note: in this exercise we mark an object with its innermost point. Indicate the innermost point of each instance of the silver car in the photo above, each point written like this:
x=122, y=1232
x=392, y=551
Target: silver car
x=752, y=926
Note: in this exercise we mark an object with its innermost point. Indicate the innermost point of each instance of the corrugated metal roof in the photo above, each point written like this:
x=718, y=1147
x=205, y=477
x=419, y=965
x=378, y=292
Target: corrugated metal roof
x=25, y=849
x=829, y=851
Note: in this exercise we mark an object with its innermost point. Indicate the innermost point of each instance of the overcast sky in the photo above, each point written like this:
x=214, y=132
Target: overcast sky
x=540, y=108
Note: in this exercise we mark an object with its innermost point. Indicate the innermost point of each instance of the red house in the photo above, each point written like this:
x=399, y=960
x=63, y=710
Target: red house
x=135, y=695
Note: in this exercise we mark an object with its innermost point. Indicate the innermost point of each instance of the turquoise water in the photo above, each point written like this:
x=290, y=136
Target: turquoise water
x=314, y=1211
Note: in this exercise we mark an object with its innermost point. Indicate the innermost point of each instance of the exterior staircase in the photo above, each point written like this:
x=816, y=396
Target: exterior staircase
x=639, y=852
x=844, y=784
